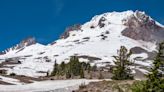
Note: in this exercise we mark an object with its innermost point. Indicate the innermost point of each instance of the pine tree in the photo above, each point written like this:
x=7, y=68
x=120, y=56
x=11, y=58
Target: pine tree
x=84, y=65
x=75, y=66
x=88, y=67
x=155, y=83
x=55, y=70
x=81, y=73
x=63, y=65
x=68, y=74
x=121, y=69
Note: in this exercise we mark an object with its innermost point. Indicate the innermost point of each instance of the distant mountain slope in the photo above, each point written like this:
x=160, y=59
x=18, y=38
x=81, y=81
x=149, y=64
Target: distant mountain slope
x=95, y=41
x=19, y=47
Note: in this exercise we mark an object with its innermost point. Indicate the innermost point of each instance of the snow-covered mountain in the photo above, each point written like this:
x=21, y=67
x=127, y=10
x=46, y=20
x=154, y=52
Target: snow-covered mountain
x=95, y=41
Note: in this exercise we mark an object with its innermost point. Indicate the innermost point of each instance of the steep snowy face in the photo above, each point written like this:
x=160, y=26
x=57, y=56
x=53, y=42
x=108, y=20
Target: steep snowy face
x=106, y=19
x=138, y=25
x=99, y=21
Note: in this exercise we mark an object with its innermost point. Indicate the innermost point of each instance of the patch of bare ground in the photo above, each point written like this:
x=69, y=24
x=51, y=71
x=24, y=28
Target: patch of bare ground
x=106, y=86
x=139, y=75
x=5, y=83
x=4, y=64
x=25, y=79
x=90, y=58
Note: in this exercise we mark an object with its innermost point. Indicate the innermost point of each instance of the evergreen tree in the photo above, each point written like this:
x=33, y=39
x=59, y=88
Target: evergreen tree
x=155, y=83
x=63, y=65
x=121, y=69
x=75, y=66
x=55, y=70
x=84, y=65
x=88, y=67
x=162, y=58
x=81, y=73
x=68, y=74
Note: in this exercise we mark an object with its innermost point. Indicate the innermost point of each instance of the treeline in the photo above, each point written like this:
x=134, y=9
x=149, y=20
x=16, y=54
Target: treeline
x=72, y=68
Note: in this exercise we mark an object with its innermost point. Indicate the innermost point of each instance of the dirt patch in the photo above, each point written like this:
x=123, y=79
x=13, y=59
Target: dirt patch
x=90, y=58
x=4, y=64
x=105, y=86
x=4, y=83
x=25, y=79
x=139, y=50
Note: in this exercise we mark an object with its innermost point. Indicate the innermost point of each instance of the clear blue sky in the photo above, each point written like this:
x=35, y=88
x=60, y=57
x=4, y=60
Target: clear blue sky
x=47, y=19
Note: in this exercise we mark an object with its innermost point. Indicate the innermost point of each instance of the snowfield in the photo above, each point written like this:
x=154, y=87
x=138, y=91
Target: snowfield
x=47, y=86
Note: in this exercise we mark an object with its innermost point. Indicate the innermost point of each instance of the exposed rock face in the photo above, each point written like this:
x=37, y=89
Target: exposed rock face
x=26, y=42
x=75, y=27
x=142, y=27
x=101, y=23
x=139, y=50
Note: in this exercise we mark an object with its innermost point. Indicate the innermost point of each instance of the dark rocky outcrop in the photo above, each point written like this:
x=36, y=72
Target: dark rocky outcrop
x=139, y=50
x=101, y=23
x=26, y=42
x=66, y=34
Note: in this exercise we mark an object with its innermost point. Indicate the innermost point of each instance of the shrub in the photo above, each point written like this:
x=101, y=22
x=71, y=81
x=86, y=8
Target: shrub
x=138, y=86
x=3, y=72
x=12, y=74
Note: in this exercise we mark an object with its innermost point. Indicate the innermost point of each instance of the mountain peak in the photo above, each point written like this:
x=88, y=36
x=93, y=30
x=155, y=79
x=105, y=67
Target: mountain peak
x=28, y=41
x=138, y=25
x=119, y=17
x=24, y=43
